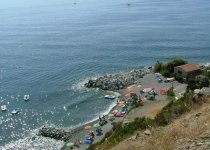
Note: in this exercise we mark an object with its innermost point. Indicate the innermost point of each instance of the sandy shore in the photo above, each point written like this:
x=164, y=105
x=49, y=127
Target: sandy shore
x=150, y=108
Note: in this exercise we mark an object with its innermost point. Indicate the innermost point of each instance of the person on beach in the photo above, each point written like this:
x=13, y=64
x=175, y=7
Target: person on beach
x=76, y=143
x=99, y=118
x=92, y=136
x=102, y=120
x=118, y=100
x=103, y=117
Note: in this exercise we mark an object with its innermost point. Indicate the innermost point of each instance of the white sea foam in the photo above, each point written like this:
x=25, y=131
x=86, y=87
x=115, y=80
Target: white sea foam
x=80, y=85
x=33, y=142
x=207, y=64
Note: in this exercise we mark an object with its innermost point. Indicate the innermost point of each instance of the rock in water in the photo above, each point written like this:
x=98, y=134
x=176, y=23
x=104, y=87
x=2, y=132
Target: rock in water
x=58, y=134
x=117, y=81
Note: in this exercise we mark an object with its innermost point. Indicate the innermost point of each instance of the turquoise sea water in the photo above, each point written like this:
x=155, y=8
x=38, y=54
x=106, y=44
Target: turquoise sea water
x=49, y=49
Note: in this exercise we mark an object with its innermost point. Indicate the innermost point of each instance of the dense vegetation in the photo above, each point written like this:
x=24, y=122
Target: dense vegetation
x=199, y=82
x=174, y=109
x=171, y=93
x=167, y=70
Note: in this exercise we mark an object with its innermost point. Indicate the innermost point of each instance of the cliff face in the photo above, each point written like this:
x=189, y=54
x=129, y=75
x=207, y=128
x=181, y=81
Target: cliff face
x=189, y=132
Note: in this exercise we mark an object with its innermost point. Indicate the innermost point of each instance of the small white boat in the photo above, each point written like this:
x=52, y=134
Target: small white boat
x=15, y=111
x=26, y=97
x=3, y=108
x=109, y=96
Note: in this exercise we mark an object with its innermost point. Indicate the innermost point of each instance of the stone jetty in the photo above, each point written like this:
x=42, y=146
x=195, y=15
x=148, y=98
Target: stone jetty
x=58, y=134
x=116, y=81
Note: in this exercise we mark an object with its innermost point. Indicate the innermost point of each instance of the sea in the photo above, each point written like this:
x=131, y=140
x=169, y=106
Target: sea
x=50, y=48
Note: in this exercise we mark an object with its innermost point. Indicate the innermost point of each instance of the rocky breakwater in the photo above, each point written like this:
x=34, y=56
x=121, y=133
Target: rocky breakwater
x=116, y=81
x=58, y=134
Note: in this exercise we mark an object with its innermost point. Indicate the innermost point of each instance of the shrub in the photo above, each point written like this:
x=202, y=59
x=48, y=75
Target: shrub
x=174, y=109
x=175, y=62
x=158, y=66
x=202, y=81
x=179, y=78
x=171, y=92
x=191, y=85
x=166, y=73
x=167, y=70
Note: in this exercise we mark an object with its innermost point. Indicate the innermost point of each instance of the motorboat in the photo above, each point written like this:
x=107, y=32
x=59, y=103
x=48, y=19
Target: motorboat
x=26, y=97
x=109, y=97
x=15, y=111
x=3, y=108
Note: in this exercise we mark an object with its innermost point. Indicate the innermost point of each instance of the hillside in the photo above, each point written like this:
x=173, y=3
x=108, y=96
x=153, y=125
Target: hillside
x=191, y=131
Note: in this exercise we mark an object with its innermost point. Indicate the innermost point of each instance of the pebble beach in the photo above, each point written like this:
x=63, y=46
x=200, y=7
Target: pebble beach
x=150, y=108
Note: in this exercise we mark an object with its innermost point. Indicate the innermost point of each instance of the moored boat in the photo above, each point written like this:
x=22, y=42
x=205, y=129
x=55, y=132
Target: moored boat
x=15, y=111
x=26, y=97
x=109, y=96
x=3, y=108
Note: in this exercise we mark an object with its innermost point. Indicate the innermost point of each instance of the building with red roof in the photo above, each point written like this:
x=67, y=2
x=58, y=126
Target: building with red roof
x=188, y=71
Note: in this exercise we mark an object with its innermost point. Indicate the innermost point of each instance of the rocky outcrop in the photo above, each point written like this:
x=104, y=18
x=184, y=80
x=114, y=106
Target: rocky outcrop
x=117, y=81
x=58, y=134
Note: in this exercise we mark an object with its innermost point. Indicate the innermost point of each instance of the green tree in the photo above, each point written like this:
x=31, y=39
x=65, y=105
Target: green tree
x=179, y=78
x=158, y=66
x=191, y=85
x=202, y=81
x=171, y=92
x=166, y=73
x=175, y=62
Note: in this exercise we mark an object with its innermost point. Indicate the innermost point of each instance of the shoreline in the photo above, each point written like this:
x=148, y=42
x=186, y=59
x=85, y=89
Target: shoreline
x=76, y=132
x=160, y=101
x=79, y=131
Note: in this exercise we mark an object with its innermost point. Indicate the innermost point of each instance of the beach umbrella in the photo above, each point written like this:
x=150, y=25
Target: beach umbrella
x=96, y=125
x=139, y=86
x=130, y=90
x=115, y=111
x=70, y=144
x=110, y=115
x=127, y=95
x=122, y=105
x=152, y=87
x=129, y=87
x=119, y=114
x=88, y=127
x=121, y=102
x=146, y=90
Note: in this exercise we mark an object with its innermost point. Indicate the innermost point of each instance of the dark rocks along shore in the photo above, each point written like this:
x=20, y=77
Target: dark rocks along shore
x=58, y=134
x=117, y=81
